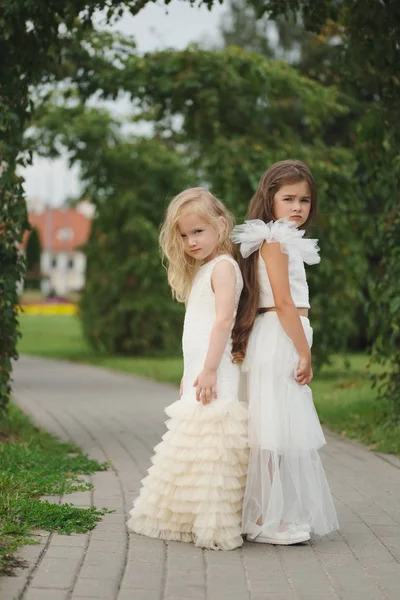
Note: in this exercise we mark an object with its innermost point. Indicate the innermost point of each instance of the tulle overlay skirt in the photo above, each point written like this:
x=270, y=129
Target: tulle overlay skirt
x=194, y=490
x=286, y=483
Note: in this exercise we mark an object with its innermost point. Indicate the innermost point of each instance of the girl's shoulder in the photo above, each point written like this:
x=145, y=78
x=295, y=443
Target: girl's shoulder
x=252, y=234
x=226, y=258
x=220, y=258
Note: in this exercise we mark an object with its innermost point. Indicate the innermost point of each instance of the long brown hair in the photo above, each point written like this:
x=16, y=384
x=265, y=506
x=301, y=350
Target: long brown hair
x=262, y=207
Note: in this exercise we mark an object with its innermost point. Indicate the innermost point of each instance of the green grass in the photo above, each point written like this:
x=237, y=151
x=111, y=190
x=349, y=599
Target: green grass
x=344, y=397
x=33, y=464
x=61, y=337
x=347, y=403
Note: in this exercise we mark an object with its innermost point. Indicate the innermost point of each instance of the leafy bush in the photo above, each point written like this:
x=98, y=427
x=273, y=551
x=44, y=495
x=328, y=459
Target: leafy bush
x=126, y=307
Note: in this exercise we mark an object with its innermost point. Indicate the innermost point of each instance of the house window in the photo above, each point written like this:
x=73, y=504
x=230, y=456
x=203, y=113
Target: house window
x=65, y=234
x=53, y=262
x=70, y=264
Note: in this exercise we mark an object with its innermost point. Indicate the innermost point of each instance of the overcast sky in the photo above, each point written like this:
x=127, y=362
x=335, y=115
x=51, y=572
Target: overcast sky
x=153, y=28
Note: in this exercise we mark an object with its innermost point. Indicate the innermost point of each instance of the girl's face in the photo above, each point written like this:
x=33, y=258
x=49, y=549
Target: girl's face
x=200, y=238
x=293, y=200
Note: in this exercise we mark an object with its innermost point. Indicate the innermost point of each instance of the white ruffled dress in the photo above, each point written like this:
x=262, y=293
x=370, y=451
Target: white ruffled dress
x=286, y=483
x=194, y=489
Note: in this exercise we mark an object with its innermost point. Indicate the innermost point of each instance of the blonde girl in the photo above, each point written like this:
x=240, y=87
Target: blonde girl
x=287, y=495
x=194, y=489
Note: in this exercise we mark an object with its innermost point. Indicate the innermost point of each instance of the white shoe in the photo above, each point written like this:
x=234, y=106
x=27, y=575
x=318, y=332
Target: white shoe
x=282, y=538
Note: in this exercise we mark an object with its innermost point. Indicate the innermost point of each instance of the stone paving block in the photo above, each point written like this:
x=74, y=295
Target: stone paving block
x=31, y=553
x=387, y=578
x=382, y=519
x=346, y=515
x=103, y=558
x=386, y=530
x=78, y=539
x=271, y=596
x=137, y=546
x=185, y=582
x=233, y=595
x=56, y=551
x=45, y=594
x=351, y=585
x=223, y=559
x=138, y=595
x=185, y=564
x=140, y=581
x=311, y=581
x=180, y=597
x=109, y=536
x=143, y=577
x=186, y=550
x=229, y=581
x=146, y=544
x=145, y=556
x=369, y=547
x=96, y=545
x=273, y=585
x=96, y=588
x=56, y=579
x=352, y=527
x=57, y=565
x=323, y=547
x=11, y=587
x=322, y=595
x=186, y=587
x=109, y=571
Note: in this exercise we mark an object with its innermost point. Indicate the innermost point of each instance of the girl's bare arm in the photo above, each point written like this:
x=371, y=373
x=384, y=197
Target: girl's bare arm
x=276, y=263
x=223, y=282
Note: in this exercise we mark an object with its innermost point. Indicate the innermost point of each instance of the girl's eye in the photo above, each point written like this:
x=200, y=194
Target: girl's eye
x=289, y=199
x=306, y=200
x=183, y=235
x=198, y=231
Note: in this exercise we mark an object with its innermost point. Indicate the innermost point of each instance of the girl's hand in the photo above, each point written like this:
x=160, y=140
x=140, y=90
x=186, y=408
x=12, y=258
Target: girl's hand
x=181, y=388
x=304, y=371
x=206, y=386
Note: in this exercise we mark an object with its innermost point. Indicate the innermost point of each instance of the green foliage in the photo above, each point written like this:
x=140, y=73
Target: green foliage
x=32, y=464
x=33, y=50
x=367, y=28
x=126, y=307
x=385, y=315
x=33, y=252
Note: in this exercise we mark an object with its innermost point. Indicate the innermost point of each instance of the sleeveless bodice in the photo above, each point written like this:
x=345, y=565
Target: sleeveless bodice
x=252, y=235
x=199, y=320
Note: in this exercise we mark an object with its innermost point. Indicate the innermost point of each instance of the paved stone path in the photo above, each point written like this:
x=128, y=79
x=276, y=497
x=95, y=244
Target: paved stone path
x=120, y=418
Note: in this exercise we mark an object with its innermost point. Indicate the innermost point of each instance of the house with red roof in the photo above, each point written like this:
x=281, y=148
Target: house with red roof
x=63, y=233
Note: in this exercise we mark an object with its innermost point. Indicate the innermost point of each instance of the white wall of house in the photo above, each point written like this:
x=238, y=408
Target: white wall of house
x=65, y=270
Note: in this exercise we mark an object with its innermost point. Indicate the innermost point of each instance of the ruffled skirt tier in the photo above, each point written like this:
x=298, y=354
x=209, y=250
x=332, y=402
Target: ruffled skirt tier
x=194, y=489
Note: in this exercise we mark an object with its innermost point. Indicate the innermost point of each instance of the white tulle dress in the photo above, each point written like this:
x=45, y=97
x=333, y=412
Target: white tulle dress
x=286, y=485
x=194, y=489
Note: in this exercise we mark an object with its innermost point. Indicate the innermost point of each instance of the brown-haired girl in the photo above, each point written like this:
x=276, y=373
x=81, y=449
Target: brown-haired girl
x=287, y=496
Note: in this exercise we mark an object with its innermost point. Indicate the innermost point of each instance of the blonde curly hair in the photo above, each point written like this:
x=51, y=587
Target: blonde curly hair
x=182, y=268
